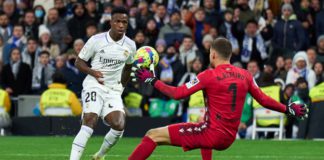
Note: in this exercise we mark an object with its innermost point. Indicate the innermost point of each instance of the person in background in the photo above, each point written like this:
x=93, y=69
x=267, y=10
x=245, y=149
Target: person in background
x=104, y=22
x=77, y=24
x=207, y=40
x=16, y=76
x=9, y=8
x=46, y=43
x=39, y=14
x=61, y=8
x=30, y=24
x=42, y=73
x=58, y=29
x=286, y=40
x=320, y=49
x=160, y=46
x=280, y=71
x=174, y=31
x=254, y=69
x=30, y=53
x=188, y=52
x=5, y=27
x=319, y=24
x=304, y=16
x=140, y=39
x=246, y=13
x=300, y=69
x=252, y=45
x=58, y=100
x=161, y=17
x=288, y=64
x=318, y=69
x=151, y=32
x=311, y=54
x=91, y=29
x=18, y=40
x=213, y=17
x=195, y=20
x=91, y=10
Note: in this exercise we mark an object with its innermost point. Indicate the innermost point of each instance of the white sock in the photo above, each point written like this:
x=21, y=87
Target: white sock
x=110, y=140
x=80, y=142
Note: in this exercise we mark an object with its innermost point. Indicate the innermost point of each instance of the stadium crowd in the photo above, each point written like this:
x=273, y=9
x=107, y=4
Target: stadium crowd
x=278, y=41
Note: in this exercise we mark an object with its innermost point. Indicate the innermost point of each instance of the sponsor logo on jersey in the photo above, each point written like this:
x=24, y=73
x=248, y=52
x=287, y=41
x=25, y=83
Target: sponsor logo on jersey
x=109, y=62
x=192, y=83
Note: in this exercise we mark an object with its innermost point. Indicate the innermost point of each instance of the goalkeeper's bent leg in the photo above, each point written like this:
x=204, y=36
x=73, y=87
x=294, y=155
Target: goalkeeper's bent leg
x=80, y=142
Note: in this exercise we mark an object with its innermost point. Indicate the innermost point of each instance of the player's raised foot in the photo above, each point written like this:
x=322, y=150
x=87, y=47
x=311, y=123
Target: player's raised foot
x=97, y=157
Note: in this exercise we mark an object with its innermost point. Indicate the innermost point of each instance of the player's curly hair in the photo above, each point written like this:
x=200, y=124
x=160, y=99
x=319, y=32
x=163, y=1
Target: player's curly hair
x=119, y=10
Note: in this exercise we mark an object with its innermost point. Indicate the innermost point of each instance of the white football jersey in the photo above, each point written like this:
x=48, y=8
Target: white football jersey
x=108, y=57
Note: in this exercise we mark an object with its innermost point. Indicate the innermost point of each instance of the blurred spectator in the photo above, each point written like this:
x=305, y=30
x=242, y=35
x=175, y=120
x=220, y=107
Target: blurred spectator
x=254, y=69
x=246, y=13
x=266, y=29
x=30, y=53
x=280, y=71
x=170, y=69
x=140, y=39
x=1, y=51
x=288, y=64
x=213, y=17
x=305, y=17
x=134, y=24
x=46, y=5
x=30, y=25
x=160, y=46
x=5, y=27
x=91, y=29
x=253, y=47
x=230, y=30
x=104, y=23
x=320, y=24
x=58, y=29
x=77, y=24
x=91, y=10
x=311, y=54
x=188, y=51
x=59, y=101
x=5, y=106
x=18, y=40
x=143, y=14
x=9, y=8
x=151, y=32
x=42, y=73
x=161, y=17
x=288, y=33
x=39, y=14
x=207, y=41
x=16, y=75
x=300, y=69
x=213, y=32
x=60, y=6
x=46, y=43
x=320, y=49
x=195, y=20
x=318, y=69
x=258, y=6
x=174, y=31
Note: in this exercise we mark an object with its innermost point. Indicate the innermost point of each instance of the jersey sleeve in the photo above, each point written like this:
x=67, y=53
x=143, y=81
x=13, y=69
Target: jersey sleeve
x=130, y=58
x=184, y=90
x=262, y=98
x=87, y=51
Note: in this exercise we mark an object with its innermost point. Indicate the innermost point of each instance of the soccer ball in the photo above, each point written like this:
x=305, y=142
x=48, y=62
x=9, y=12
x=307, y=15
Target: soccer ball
x=145, y=56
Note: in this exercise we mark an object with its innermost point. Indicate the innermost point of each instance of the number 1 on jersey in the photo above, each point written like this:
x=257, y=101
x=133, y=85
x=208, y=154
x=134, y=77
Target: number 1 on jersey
x=233, y=88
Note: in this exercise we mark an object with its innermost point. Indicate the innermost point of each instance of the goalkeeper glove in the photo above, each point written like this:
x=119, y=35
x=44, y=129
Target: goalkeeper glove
x=144, y=75
x=297, y=110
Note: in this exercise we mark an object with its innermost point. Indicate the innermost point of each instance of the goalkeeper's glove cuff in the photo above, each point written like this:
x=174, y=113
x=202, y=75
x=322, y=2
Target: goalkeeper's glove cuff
x=151, y=81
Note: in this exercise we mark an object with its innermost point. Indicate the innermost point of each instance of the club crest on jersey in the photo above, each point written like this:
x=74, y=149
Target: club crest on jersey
x=126, y=53
x=192, y=83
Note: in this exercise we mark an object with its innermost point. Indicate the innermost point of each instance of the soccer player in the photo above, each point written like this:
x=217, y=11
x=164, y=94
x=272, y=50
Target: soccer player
x=225, y=87
x=111, y=55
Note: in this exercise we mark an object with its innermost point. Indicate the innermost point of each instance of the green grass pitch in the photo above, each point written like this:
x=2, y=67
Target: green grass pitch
x=58, y=148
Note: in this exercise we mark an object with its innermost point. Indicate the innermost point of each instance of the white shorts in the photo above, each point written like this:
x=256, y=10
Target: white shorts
x=96, y=100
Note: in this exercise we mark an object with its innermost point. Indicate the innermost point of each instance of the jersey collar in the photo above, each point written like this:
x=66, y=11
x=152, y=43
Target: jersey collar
x=110, y=40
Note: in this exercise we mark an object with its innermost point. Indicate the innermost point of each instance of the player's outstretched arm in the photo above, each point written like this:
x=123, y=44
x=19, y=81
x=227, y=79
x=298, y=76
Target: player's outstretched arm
x=126, y=74
x=297, y=110
x=144, y=75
